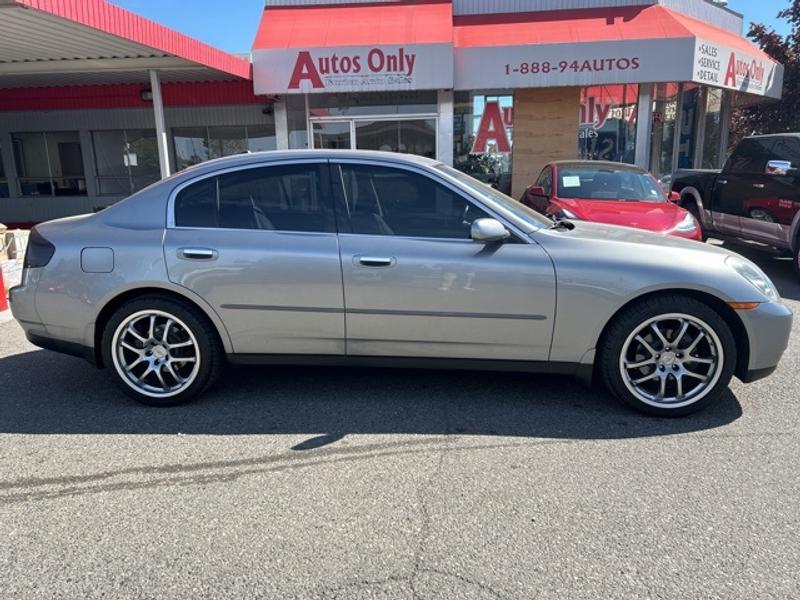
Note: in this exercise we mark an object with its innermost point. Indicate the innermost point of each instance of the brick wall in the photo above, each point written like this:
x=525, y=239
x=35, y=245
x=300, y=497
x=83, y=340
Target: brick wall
x=545, y=129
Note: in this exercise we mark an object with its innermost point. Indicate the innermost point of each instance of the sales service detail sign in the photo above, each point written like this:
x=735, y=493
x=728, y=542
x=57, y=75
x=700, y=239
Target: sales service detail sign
x=583, y=64
x=720, y=66
x=353, y=69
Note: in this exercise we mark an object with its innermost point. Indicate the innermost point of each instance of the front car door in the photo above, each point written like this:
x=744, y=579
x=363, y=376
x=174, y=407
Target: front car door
x=771, y=210
x=739, y=185
x=259, y=245
x=415, y=283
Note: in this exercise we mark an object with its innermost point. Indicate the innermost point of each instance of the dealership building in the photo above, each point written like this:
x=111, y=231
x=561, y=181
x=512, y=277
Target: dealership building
x=97, y=102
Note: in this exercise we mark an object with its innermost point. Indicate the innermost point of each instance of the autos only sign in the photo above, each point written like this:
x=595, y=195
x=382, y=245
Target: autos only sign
x=720, y=66
x=353, y=69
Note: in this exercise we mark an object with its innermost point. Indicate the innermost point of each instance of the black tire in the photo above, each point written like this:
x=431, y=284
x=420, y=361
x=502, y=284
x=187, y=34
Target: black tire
x=210, y=354
x=796, y=255
x=631, y=319
x=694, y=210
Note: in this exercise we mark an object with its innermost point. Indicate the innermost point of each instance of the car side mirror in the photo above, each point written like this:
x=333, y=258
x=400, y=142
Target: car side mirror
x=488, y=230
x=537, y=190
x=674, y=197
x=778, y=167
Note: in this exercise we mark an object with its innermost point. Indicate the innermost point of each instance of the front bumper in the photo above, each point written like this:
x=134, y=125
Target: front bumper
x=768, y=329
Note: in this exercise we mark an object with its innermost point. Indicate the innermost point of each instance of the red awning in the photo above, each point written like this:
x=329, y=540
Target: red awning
x=354, y=48
x=376, y=24
x=566, y=26
x=603, y=46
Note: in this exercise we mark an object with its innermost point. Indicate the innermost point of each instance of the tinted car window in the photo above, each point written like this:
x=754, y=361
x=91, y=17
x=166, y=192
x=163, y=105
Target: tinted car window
x=787, y=149
x=386, y=201
x=196, y=205
x=750, y=156
x=282, y=198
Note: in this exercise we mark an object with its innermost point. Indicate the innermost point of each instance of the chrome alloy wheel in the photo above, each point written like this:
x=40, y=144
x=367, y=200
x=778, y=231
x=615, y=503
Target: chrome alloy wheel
x=155, y=353
x=671, y=360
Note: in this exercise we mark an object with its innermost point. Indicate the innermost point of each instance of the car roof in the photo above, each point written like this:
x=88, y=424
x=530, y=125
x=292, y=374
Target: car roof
x=597, y=163
x=276, y=155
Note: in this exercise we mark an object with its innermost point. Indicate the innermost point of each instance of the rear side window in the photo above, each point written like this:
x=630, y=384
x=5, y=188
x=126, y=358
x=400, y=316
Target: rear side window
x=750, y=156
x=387, y=201
x=279, y=198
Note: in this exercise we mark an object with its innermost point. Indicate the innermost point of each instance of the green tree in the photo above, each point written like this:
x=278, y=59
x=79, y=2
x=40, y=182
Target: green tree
x=783, y=115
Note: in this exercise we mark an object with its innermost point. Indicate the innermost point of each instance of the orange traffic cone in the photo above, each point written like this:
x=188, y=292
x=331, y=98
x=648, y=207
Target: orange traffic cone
x=3, y=299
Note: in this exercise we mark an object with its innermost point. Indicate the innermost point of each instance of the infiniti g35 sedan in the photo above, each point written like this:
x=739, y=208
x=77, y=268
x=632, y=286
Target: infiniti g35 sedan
x=346, y=257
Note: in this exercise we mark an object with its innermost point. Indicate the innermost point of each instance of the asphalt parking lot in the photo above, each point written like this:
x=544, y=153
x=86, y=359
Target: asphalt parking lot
x=324, y=483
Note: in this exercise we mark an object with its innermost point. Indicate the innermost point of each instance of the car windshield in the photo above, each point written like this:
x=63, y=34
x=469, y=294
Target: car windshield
x=518, y=209
x=608, y=183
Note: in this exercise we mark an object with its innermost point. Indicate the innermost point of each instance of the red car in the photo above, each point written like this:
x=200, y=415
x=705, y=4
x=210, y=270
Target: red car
x=612, y=193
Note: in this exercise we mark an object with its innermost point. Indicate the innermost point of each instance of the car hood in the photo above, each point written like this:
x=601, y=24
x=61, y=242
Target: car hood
x=654, y=216
x=627, y=262
x=627, y=236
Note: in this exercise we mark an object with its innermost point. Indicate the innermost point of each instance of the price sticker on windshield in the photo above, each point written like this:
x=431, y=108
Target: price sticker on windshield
x=571, y=181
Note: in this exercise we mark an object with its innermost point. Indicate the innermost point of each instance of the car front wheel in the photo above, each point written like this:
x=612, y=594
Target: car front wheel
x=162, y=351
x=668, y=356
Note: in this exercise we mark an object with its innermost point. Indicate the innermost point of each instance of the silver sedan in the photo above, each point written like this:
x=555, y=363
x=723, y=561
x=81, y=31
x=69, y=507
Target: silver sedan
x=339, y=257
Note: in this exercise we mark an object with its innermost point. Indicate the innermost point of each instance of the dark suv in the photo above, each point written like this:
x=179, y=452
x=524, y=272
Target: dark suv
x=755, y=197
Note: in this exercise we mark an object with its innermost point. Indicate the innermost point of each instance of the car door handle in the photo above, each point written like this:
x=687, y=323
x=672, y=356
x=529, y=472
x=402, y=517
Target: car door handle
x=760, y=186
x=375, y=261
x=197, y=253
x=722, y=181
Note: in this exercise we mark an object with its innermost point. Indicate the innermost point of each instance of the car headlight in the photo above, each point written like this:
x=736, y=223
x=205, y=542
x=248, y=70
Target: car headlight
x=755, y=276
x=687, y=225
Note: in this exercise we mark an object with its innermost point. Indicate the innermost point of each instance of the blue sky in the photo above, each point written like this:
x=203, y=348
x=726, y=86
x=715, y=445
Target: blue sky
x=231, y=25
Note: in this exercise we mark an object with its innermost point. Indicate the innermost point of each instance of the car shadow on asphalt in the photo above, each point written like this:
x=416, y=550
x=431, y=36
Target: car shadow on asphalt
x=47, y=393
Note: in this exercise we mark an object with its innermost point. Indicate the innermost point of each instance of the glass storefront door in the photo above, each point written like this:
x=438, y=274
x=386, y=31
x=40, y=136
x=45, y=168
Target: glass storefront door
x=406, y=135
x=332, y=135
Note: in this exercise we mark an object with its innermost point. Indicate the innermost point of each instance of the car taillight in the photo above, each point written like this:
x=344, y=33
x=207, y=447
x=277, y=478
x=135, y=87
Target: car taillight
x=39, y=251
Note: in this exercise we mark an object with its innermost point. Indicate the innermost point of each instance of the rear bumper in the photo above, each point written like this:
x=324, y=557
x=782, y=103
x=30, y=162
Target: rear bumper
x=61, y=346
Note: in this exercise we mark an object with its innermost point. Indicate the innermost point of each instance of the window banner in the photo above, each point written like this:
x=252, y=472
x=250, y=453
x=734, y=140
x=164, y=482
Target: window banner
x=581, y=64
x=720, y=66
x=353, y=69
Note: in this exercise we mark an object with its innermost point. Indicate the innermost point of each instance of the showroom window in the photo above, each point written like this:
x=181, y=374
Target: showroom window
x=280, y=198
x=483, y=127
x=690, y=111
x=665, y=116
x=194, y=145
x=3, y=180
x=126, y=160
x=49, y=163
x=608, y=123
x=712, y=150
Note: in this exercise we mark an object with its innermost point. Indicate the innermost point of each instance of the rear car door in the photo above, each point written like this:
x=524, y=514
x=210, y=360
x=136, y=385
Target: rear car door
x=259, y=245
x=740, y=185
x=415, y=283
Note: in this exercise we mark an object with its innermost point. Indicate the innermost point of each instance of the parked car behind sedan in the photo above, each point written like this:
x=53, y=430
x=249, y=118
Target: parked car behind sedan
x=756, y=196
x=613, y=193
x=346, y=257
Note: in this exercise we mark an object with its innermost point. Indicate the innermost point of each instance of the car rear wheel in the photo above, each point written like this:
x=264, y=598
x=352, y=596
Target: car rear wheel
x=163, y=352
x=668, y=356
